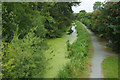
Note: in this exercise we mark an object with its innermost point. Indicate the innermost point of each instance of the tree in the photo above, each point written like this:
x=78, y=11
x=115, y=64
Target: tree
x=83, y=11
x=81, y=14
x=97, y=5
x=106, y=23
x=58, y=17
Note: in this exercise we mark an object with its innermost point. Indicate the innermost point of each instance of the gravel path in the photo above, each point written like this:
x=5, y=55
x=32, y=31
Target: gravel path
x=98, y=56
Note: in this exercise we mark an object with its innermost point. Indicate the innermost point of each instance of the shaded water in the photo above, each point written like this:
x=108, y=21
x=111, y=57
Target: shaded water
x=98, y=57
x=57, y=53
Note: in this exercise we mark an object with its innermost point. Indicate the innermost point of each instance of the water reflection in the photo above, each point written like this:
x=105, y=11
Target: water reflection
x=73, y=36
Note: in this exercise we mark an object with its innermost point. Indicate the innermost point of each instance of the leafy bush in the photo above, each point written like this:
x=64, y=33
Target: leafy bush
x=23, y=16
x=84, y=17
x=53, y=19
x=23, y=48
x=105, y=22
x=58, y=17
x=78, y=53
x=23, y=58
x=86, y=21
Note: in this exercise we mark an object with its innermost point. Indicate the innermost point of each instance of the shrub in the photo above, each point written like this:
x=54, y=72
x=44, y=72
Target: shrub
x=105, y=21
x=23, y=58
x=78, y=53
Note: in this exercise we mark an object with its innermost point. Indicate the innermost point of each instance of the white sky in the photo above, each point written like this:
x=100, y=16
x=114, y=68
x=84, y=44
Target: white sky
x=86, y=5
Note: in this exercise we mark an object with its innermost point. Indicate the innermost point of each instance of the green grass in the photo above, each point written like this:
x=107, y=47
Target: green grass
x=110, y=67
x=79, y=54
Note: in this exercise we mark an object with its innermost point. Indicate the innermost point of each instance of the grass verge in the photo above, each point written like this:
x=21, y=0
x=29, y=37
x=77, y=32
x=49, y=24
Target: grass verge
x=110, y=67
x=80, y=54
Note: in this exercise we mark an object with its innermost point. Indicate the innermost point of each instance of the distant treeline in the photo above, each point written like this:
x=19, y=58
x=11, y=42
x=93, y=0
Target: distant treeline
x=104, y=21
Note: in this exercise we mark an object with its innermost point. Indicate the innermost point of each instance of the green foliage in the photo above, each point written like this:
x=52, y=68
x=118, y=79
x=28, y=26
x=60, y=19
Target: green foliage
x=21, y=15
x=81, y=42
x=97, y=5
x=0, y=20
x=54, y=18
x=23, y=58
x=65, y=72
x=25, y=27
x=80, y=15
x=86, y=21
x=68, y=45
x=88, y=15
x=105, y=22
x=58, y=17
x=78, y=53
x=84, y=17
x=38, y=21
x=23, y=40
x=83, y=11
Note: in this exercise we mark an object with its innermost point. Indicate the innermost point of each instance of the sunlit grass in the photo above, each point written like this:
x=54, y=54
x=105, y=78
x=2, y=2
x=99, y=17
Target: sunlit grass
x=110, y=67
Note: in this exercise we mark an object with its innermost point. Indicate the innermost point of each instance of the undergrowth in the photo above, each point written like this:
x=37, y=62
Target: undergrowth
x=78, y=53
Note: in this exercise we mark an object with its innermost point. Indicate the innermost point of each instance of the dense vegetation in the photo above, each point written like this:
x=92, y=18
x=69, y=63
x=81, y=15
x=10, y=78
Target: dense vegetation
x=23, y=58
x=25, y=27
x=0, y=21
x=0, y=34
x=105, y=22
x=84, y=17
x=78, y=53
x=109, y=70
x=53, y=18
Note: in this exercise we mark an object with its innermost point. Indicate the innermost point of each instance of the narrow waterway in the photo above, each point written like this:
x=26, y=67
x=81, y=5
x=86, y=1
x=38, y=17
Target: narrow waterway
x=57, y=53
x=98, y=56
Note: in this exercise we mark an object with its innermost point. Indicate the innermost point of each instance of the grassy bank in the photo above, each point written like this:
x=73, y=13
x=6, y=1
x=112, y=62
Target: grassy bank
x=110, y=67
x=110, y=64
x=80, y=54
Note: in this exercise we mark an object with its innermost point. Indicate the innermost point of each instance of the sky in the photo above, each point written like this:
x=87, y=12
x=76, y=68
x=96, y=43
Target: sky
x=86, y=5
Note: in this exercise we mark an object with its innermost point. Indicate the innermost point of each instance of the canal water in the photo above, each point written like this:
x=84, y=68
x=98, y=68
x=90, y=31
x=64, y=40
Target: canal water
x=57, y=53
